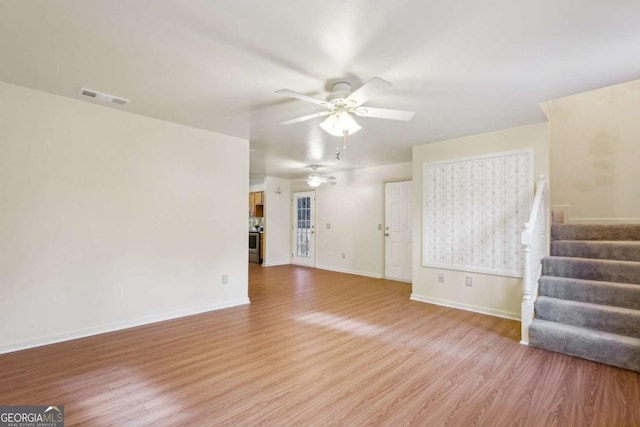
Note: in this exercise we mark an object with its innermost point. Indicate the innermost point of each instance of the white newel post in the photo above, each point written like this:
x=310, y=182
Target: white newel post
x=535, y=242
x=527, y=294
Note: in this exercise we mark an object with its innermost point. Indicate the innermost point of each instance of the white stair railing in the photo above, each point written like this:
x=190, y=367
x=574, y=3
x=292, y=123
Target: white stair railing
x=535, y=239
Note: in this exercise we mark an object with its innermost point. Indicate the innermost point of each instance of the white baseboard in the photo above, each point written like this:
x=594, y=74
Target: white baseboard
x=466, y=307
x=604, y=221
x=349, y=271
x=569, y=219
x=117, y=326
x=398, y=280
x=274, y=264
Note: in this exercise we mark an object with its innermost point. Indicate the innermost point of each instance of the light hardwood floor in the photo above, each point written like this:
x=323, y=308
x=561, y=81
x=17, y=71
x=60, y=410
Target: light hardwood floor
x=318, y=348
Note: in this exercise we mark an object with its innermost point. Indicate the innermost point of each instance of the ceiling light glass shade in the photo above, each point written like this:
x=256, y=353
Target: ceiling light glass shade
x=337, y=123
x=314, y=181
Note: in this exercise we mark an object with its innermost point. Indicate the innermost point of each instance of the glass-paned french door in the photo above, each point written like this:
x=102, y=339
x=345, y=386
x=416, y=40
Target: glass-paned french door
x=303, y=243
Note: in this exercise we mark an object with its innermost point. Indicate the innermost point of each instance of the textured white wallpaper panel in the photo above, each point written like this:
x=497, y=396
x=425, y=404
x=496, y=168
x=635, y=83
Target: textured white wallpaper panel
x=474, y=211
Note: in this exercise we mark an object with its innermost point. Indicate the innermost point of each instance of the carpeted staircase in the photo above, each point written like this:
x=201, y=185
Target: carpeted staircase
x=588, y=301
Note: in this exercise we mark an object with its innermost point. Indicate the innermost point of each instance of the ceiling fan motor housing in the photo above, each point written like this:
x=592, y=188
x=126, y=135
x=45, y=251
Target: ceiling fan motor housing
x=340, y=91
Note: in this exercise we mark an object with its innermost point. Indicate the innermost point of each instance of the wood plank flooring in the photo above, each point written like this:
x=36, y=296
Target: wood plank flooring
x=318, y=348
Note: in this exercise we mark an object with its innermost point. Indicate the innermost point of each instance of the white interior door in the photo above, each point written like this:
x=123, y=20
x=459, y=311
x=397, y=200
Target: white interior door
x=398, y=232
x=303, y=244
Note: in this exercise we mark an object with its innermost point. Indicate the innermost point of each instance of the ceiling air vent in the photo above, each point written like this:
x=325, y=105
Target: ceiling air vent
x=88, y=93
x=103, y=97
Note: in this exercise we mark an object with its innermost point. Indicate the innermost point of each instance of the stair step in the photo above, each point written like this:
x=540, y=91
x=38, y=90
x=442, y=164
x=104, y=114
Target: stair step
x=598, y=346
x=595, y=232
x=591, y=291
x=620, y=250
x=617, y=320
x=592, y=269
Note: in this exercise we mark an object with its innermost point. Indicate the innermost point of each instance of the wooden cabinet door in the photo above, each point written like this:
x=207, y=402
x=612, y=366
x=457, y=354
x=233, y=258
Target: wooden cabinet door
x=259, y=198
x=252, y=204
x=262, y=237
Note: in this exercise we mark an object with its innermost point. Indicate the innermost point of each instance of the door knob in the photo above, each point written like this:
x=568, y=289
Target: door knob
x=386, y=234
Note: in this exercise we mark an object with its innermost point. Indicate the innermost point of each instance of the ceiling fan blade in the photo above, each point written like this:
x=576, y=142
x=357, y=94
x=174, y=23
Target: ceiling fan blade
x=303, y=118
x=315, y=180
x=331, y=180
x=384, y=113
x=303, y=97
x=369, y=90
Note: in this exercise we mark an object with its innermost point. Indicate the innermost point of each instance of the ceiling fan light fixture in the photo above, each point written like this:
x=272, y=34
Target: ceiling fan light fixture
x=339, y=123
x=314, y=181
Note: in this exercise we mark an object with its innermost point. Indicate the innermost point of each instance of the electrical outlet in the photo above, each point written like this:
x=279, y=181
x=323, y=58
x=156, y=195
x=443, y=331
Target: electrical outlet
x=225, y=279
x=328, y=226
x=441, y=277
x=468, y=281
x=344, y=256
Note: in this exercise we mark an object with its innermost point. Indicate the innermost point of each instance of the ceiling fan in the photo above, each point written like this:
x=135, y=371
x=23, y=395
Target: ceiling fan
x=342, y=104
x=314, y=180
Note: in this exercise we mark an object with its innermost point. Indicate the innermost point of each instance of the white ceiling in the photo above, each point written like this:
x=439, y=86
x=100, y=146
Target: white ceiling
x=463, y=66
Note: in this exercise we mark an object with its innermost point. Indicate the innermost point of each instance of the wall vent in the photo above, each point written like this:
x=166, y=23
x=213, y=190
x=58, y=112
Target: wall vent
x=103, y=97
x=88, y=93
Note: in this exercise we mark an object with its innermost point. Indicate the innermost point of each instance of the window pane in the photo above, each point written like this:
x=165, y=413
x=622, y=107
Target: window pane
x=303, y=226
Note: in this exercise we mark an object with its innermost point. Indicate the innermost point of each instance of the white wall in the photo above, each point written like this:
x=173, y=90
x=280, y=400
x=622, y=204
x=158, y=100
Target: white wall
x=595, y=151
x=256, y=187
x=497, y=295
x=111, y=219
x=354, y=209
x=277, y=221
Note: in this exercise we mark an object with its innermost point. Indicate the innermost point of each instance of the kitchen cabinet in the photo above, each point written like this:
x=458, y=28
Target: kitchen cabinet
x=262, y=238
x=256, y=204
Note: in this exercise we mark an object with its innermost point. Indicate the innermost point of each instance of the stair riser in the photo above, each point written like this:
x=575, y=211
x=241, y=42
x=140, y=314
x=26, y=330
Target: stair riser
x=596, y=250
x=623, y=353
x=591, y=292
x=595, y=232
x=623, y=323
x=611, y=271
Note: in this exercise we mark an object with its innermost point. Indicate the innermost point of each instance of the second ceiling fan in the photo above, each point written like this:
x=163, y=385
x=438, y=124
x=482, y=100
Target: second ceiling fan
x=314, y=180
x=342, y=104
